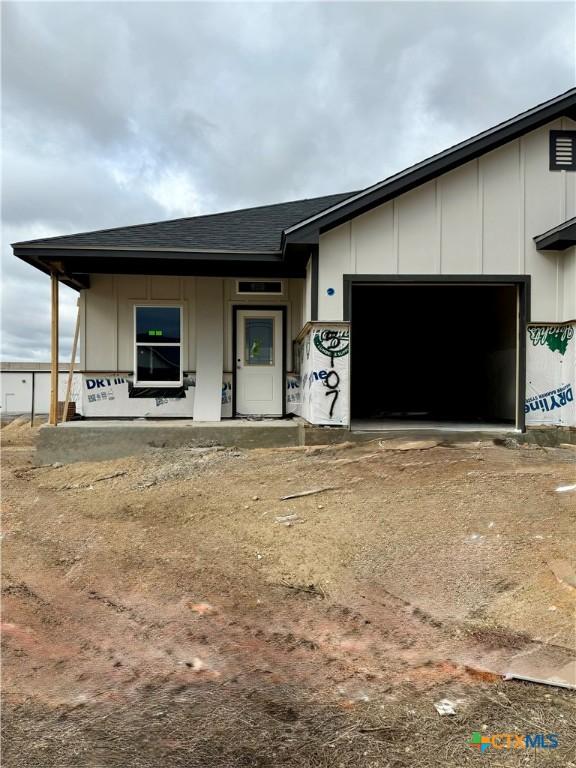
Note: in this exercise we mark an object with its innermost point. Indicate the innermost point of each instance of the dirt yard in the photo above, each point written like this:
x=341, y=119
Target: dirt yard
x=171, y=610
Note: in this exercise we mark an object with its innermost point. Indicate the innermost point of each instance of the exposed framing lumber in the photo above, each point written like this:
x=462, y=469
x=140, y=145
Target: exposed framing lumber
x=72, y=364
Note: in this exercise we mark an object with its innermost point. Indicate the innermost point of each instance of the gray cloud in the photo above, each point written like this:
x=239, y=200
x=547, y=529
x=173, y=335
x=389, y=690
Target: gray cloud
x=116, y=113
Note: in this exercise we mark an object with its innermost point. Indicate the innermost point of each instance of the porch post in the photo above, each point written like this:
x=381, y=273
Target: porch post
x=53, y=416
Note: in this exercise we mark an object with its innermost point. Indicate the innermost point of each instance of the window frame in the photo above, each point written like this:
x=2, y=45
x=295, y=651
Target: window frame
x=259, y=293
x=153, y=384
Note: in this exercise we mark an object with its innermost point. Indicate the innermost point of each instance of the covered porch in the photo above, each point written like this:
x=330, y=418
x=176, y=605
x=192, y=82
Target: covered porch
x=163, y=327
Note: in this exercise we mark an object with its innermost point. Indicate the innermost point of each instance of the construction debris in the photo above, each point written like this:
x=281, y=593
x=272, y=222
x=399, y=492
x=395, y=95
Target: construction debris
x=309, y=493
x=445, y=707
x=288, y=519
x=109, y=477
x=566, y=678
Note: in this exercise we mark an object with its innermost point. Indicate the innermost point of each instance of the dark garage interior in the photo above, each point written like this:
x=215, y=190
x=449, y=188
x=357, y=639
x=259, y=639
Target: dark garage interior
x=434, y=353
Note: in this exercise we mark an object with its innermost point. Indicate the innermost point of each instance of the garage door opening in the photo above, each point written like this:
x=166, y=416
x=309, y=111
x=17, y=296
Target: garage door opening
x=432, y=355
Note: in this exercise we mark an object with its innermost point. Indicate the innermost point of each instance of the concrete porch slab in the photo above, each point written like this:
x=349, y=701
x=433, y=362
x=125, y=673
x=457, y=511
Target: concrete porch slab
x=112, y=439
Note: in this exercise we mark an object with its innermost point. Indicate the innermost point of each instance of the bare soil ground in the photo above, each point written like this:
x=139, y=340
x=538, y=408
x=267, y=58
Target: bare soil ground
x=170, y=609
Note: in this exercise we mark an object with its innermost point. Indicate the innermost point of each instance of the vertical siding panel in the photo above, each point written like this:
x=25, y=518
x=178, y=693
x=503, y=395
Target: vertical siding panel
x=543, y=205
x=189, y=296
x=129, y=290
x=117, y=317
x=569, y=276
x=437, y=226
x=460, y=221
x=308, y=286
x=396, y=237
x=336, y=262
x=373, y=241
x=82, y=308
x=501, y=229
x=353, y=254
x=480, y=223
x=417, y=224
x=164, y=287
x=522, y=208
x=101, y=324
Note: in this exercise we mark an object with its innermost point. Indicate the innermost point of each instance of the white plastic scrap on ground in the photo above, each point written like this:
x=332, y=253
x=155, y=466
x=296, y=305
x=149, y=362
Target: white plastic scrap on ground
x=565, y=488
x=445, y=707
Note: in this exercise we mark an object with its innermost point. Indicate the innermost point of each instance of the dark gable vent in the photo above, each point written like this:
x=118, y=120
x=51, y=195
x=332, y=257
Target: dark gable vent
x=563, y=150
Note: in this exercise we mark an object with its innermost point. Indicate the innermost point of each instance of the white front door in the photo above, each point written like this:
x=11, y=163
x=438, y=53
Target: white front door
x=259, y=355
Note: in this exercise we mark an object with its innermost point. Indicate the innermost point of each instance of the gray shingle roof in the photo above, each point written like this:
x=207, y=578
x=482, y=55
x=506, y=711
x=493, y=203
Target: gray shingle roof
x=249, y=229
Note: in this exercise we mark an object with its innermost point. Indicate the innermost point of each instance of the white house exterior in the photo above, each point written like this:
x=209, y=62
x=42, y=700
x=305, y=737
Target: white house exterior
x=445, y=294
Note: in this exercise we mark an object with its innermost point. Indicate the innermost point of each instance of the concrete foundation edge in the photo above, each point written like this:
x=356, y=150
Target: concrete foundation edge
x=102, y=443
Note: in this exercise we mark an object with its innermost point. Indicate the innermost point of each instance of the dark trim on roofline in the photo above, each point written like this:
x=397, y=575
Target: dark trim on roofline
x=76, y=272
x=522, y=283
x=558, y=238
x=140, y=254
x=427, y=170
x=81, y=249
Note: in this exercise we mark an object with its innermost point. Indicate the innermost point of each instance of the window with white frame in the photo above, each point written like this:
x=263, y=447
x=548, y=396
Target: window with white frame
x=158, y=332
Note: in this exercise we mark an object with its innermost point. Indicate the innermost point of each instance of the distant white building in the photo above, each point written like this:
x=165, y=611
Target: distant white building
x=25, y=388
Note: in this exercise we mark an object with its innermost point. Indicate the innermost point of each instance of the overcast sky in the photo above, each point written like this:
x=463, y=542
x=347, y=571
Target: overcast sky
x=121, y=113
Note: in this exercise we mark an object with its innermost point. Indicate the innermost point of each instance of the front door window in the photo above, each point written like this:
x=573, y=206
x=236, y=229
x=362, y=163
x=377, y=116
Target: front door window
x=259, y=341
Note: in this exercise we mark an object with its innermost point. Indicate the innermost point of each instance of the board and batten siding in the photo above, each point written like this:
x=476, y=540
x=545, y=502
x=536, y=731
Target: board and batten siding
x=107, y=315
x=477, y=219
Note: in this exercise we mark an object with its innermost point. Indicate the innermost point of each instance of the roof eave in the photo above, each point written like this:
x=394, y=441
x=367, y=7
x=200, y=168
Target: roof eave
x=556, y=242
x=94, y=252
x=75, y=265
x=558, y=238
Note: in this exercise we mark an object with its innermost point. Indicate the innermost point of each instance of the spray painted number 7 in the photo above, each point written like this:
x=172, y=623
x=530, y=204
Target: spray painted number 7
x=331, y=382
